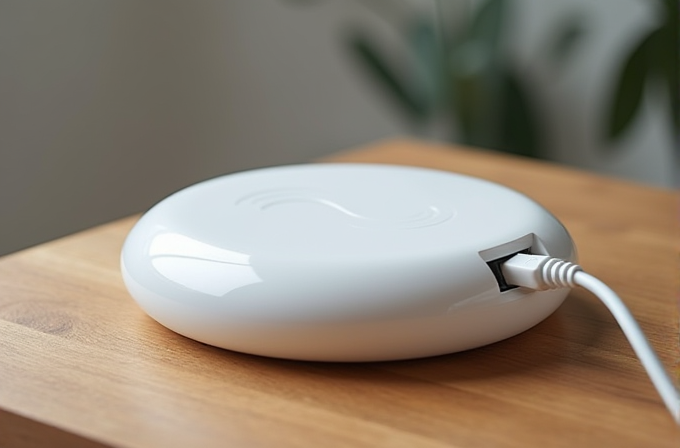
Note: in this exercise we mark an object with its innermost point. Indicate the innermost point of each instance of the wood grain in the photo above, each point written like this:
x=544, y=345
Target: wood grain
x=82, y=365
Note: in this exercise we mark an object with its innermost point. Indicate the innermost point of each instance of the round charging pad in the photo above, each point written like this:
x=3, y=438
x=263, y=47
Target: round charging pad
x=341, y=262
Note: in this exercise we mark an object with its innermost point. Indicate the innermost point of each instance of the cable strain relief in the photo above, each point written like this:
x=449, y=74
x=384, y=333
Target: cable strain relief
x=559, y=273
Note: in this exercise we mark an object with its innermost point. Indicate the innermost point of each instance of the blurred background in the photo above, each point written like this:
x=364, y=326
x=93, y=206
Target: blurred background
x=106, y=107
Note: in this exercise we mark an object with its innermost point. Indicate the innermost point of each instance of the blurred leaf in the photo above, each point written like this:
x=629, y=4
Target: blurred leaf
x=669, y=57
x=479, y=59
x=387, y=77
x=666, y=59
x=671, y=6
x=630, y=86
x=428, y=53
x=487, y=24
x=519, y=125
x=566, y=39
x=467, y=107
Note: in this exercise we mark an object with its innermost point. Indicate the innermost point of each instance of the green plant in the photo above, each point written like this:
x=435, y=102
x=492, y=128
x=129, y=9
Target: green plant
x=462, y=74
x=657, y=55
x=459, y=72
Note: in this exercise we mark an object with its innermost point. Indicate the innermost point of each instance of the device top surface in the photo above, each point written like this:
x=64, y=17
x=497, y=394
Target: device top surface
x=340, y=209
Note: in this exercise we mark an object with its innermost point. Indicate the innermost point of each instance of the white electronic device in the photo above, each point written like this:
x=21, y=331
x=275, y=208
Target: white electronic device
x=342, y=262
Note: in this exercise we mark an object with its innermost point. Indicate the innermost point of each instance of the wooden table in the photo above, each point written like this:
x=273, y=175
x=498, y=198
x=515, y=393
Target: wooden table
x=82, y=365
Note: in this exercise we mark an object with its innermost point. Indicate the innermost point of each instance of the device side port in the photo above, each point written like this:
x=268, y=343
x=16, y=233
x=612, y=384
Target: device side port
x=495, y=266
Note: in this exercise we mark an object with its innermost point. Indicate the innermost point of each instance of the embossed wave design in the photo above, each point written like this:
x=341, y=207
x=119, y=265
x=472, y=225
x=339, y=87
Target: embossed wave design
x=430, y=215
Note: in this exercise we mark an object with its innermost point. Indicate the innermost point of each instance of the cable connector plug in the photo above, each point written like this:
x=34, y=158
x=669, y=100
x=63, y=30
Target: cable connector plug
x=539, y=272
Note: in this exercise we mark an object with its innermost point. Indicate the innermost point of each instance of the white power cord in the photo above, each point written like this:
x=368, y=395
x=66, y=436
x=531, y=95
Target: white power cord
x=540, y=272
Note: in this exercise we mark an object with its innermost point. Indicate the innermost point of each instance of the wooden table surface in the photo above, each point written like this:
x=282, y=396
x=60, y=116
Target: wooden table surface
x=82, y=365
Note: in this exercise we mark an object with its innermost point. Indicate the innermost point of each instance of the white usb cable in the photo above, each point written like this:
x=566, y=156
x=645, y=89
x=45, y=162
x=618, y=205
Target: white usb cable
x=542, y=272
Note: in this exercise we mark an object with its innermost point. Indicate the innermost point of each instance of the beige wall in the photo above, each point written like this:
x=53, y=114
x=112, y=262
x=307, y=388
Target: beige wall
x=108, y=106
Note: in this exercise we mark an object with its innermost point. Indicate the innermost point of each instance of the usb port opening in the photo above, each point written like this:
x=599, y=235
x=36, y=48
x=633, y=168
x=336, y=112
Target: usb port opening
x=495, y=266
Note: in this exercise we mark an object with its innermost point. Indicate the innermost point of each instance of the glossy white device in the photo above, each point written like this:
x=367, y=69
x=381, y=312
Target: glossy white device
x=341, y=262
